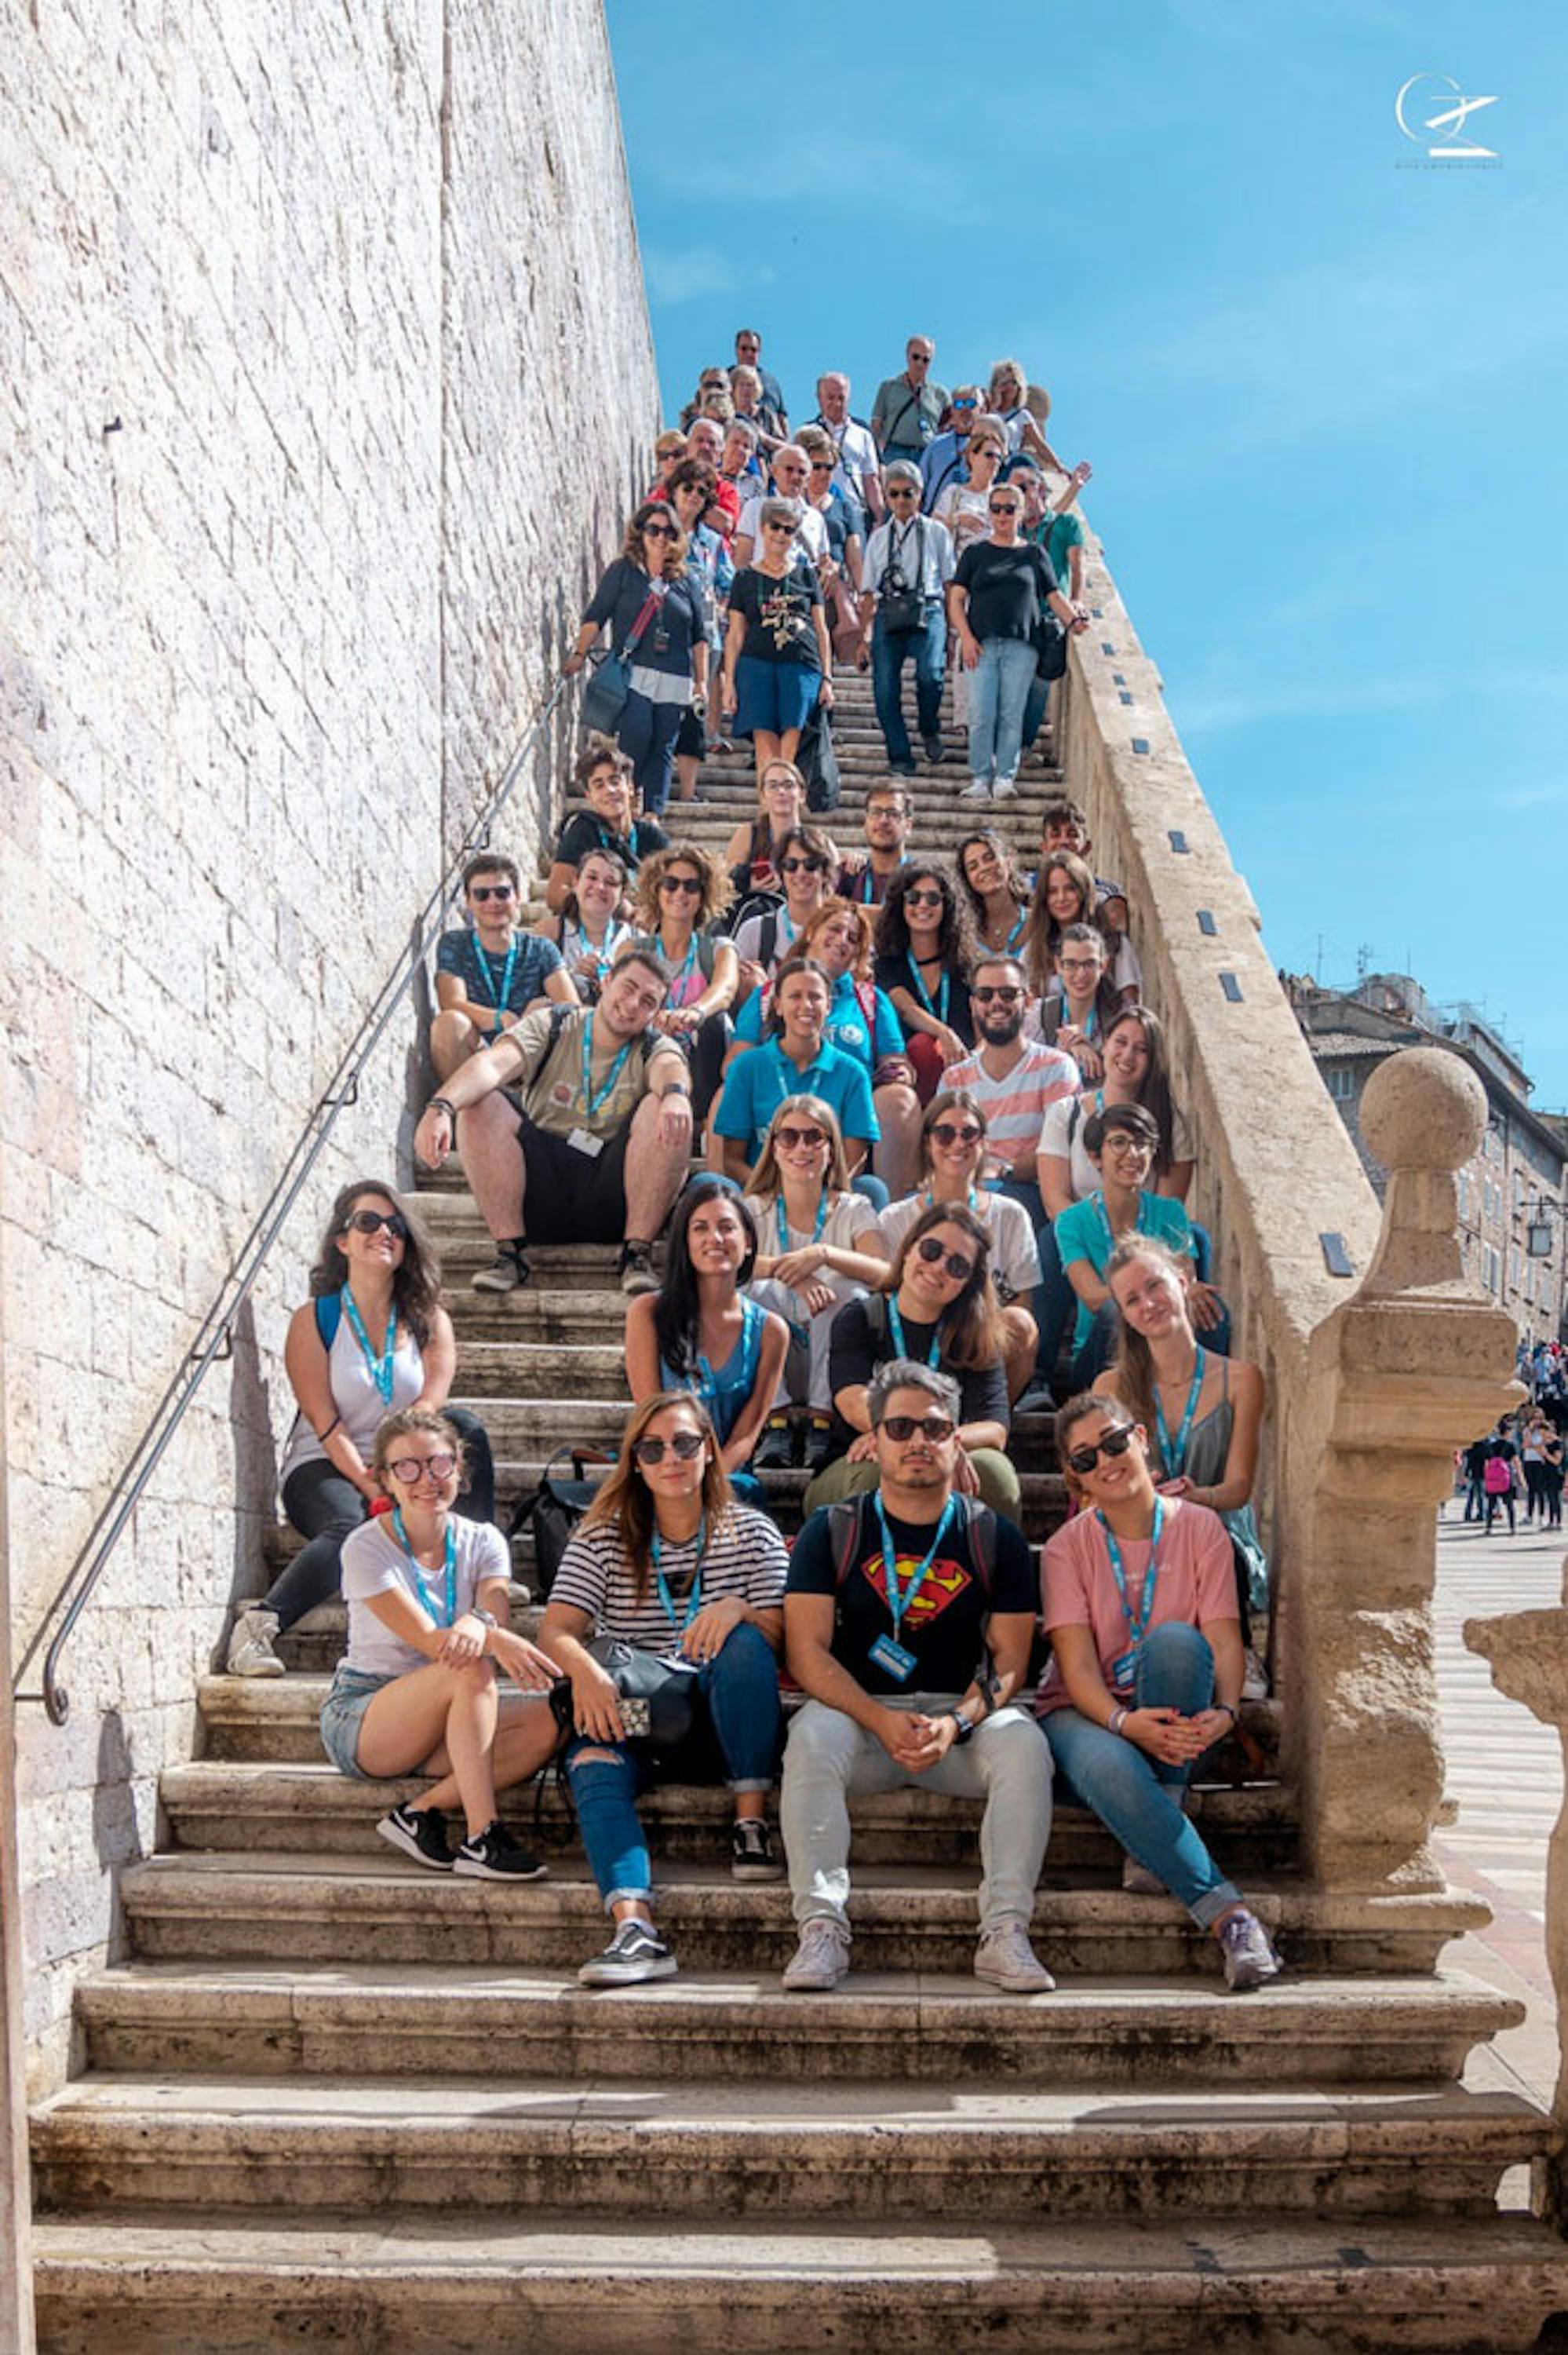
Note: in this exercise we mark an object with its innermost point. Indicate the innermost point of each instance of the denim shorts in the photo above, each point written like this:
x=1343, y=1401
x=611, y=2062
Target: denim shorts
x=353, y=1690
x=773, y=696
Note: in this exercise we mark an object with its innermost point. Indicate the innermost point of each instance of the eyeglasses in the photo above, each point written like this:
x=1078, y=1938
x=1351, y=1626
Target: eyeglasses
x=923, y=900
x=412, y=1469
x=1079, y=964
x=1003, y=996
x=946, y=1132
x=370, y=1222
x=1004, y=507
x=799, y=1140
x=685, y=1445
x=689, y=884
x=1115, y=1441
x=901, y=1428
x=657, y=531
x=802, y=866
x=956, y=1265
x=787, y=529
x=482, y=891
x=1126, y=1147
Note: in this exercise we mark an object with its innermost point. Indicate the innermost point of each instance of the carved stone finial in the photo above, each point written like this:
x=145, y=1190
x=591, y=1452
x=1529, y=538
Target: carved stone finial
x=1423, y=1113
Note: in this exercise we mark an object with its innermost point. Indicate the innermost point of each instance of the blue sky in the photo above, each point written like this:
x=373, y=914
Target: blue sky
x=1324, y=395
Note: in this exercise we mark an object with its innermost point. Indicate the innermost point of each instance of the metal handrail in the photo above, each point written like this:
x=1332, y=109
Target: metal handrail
x=214, y=1334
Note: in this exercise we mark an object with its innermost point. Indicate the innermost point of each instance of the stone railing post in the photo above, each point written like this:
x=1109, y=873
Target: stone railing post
x=1411, y=1367
x=1527, y=1652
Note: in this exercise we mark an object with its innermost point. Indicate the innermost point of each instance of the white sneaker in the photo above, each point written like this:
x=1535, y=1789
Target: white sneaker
x=250, y=1652
x=977, y=790
x=1005, y=1959
x=1004, y=790
x=821, y=1961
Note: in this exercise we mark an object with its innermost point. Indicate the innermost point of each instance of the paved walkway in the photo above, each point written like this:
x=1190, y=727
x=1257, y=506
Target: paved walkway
x=1505, y=1771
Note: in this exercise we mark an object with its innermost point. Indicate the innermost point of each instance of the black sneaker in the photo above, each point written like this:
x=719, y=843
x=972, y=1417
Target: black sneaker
x=775, y=1449
x=493, y=1855
x=636, y=1265
x=508, y=1272
x=636, y=1952
x=818, y=1447
x=751, y=1852
x=419, y=1832
x=934, y=750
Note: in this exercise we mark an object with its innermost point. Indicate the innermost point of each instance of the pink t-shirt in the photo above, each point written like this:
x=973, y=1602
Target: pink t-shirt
x=1078, y=1589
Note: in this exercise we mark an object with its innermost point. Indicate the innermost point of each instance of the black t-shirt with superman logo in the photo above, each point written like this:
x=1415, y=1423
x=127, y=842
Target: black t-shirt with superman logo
x=944, y=1626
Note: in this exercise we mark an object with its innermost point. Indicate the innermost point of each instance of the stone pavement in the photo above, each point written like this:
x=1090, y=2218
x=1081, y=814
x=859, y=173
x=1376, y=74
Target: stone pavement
x=1505, y=1770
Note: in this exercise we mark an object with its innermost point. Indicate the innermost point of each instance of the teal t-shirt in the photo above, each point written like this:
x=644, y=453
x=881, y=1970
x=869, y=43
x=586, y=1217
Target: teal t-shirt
x=1058, y=538
x=846, y=1026
x=1083, y=1231
x=758, y=1084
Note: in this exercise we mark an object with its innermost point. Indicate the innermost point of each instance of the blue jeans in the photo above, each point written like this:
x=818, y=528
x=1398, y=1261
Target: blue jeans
x=890, y=650
x=871, y=1189
x=740, y=1689
x=1139, y=1797
x=647, y=736
x=999, y=684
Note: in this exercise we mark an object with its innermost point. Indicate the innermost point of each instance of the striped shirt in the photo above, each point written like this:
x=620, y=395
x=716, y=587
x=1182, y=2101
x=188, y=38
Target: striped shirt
x=745, y=1556
x=1015, y=1106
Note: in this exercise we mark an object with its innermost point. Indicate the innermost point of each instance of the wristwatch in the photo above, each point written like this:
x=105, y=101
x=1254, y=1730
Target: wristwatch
x=485, y=1618
x=966, y=1727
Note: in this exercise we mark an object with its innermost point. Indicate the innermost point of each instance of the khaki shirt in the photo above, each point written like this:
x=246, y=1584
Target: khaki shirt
x=551, y=1080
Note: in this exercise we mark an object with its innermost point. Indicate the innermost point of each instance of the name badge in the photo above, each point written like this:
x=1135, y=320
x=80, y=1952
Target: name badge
x=894, y=1659
x=582, y=1140
x=1123, y=1672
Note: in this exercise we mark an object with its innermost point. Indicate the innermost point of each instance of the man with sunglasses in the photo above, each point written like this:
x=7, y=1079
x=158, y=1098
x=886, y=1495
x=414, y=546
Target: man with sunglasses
x=749, y=354
x=593, y=1145
x=943, y=460
x=791, y=474
x=490, y=971
x=805, y=864
x=907, y=1623
x=908, y=408
x=909, y=562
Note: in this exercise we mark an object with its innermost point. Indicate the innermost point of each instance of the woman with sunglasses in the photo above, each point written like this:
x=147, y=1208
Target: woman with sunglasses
x=372, y=1339
x=995, y=891
x=994, y=605
x=682, y=894
x=589, y=929
x=700, y=1332
x=806, y=863
x=778, y=663
x=658, y=617
x=417, y=1689
x=692, y=491
x=953, y=1168
x=1121, y=1142
x=938, y=1307
x=820, y=1244
x=1203, y=1412
x=753, y=852
x=841, y=575
x=1064, y=894
x=1138, y=1599
x=924, y=951
x=964, y=506
x=666, y=1560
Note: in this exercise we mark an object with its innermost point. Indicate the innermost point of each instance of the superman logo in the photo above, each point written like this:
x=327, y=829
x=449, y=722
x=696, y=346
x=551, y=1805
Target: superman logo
x=943, y=1583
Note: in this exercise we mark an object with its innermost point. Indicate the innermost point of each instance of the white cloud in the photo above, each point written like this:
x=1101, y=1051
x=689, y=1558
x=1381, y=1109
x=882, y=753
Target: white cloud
x=694, y=273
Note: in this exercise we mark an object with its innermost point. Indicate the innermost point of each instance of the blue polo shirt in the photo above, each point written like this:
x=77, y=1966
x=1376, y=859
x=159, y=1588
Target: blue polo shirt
x=758, y=1084
x=1083, y=1231
x=846, y=1026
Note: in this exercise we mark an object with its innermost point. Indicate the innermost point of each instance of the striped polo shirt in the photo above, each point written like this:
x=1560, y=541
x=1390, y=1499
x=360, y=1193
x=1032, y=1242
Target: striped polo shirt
x=1015, y=1106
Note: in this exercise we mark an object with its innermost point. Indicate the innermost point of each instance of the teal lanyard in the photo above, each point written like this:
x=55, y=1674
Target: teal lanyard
x=896, y=1327
x=868, y=883
x=940, y=1008
x=420, y=1595
x=1175, y=1458
x=487, y=971
x=900, y=1598
x=603, y=957
x=684, y=975
x=973, y=1202
x=380, y=1367
x=1139, y=1625
x=594, y=1102
x=695, y=1601
x=1102, y=1215
x=1017, y=932
x=783, y=1222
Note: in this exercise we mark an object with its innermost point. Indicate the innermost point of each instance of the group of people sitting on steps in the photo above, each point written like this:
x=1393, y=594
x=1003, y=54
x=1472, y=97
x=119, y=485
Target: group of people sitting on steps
x=935, y=1124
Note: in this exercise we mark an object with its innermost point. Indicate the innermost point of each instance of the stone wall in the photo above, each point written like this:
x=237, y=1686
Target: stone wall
x=305, y=434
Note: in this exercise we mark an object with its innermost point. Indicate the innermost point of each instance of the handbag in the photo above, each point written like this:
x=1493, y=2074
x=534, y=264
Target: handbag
x=1050, y=647
x=656, y=1699
x=903, y=610
x=553, y=1510
x=605, y=697
x=818, y=762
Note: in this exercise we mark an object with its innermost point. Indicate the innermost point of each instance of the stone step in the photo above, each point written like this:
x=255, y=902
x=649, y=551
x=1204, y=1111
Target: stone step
x=148, y=2285
x=266, y=1899
x=499, y=2019
x=871, y=2153
x=249, y=1722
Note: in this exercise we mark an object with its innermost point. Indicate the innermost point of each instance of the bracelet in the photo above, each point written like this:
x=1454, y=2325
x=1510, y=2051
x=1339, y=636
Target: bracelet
x=1231, y=1711
x=1117, y=1720
x=439, y=1104
x=675, y=1088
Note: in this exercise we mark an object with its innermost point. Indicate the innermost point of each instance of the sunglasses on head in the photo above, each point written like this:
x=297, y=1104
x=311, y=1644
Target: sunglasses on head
x=812, y=866
x=949, y=1132
x=1115, y=1441
x=369, y=1222
x=685, y=1445
x=411, y=1468
x=804, y=1140
x=482, y=891
x=901, y=1428
x=691, y=884
x=986, y=993
x=960, y=1268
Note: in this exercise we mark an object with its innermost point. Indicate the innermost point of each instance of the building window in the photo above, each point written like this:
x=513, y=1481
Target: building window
x=1342, y=1085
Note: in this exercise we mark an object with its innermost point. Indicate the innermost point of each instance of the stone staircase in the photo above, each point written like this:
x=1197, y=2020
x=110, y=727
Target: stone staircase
x=325, y=2100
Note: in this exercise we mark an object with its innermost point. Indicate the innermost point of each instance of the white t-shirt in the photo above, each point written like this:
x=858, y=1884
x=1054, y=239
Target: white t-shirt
x=857, y=455
x=966, y=511
x=375, y=1563
x=1059, y=1124
x=745, y=1556
x=810, y=542
x=749, y=937
x=1013, y=1255
x=850, y=1216
x=359, y=1404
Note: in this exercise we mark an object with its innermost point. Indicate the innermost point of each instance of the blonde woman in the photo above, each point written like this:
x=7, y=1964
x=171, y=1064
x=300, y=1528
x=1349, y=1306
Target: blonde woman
x=1007, y=400
x=817, y=1245
x=680, y=893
